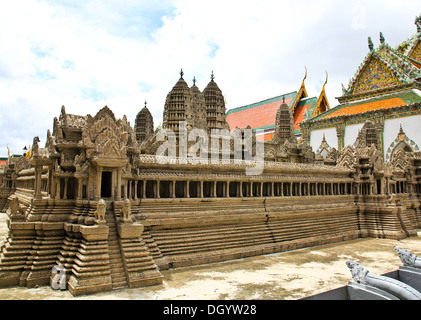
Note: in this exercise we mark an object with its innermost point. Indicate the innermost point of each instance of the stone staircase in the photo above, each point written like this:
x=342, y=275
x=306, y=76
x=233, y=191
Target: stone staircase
x=407, y=223
x=313, y=225
x=211, y=244
x=118, y=273
x=198, y=232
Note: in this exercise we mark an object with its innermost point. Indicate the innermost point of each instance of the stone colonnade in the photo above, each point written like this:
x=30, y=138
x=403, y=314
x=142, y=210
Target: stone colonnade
x=112, y=185
x=170, y=188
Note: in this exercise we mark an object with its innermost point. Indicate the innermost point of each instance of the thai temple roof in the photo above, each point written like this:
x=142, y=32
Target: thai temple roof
x=304, y=108
x=261, y=115
x=387, y=78
x=375, y=103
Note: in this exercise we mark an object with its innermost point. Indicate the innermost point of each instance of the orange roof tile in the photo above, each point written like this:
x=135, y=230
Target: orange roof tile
x=360, y=108
x=257, y=117
x=299, y=115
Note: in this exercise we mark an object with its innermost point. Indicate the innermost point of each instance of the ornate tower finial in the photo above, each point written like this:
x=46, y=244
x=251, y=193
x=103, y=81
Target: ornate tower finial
x=418, y=23
x=146, y=103
x=212, y=76
x=181, y=74
x=194, y=81
x=381, y=38
x=283, y=99
x=370, y=44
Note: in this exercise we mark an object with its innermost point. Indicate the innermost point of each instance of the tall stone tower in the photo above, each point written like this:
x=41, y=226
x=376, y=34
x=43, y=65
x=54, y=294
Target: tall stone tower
x=215, y=106
x=199, y=107
x=179, y=106
x=144, y=126
x=284, y=125
x=202, y=110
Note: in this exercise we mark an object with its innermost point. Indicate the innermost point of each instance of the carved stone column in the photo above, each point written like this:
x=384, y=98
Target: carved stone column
x=135, y=188
x=98, y=183
x=173, y=189
x=58, y=191
x=228, y=189
x=79, y=189
x=38, y=172
x=118, y=191
x=340, y=133
x=129, y=189
x=188, y=189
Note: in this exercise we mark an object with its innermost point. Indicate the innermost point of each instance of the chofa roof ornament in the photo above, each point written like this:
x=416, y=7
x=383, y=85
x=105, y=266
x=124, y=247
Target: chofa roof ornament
x=370, y=44
x=418, y=23
x=381, y=38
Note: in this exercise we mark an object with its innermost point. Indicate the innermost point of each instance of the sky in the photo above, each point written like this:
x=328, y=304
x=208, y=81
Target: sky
x=88, y=54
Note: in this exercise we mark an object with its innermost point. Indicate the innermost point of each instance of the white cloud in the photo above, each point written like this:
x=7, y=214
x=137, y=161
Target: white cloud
x=85, y=55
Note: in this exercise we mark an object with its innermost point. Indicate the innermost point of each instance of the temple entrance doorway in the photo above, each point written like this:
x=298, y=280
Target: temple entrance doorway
x=106, y=184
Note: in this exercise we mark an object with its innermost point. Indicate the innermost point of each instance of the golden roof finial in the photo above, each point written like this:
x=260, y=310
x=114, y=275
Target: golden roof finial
x=305, y=76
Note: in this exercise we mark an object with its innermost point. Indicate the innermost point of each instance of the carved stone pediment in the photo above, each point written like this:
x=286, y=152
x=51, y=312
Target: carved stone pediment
x=106, y=139
x=347, y=158
x=400, y=160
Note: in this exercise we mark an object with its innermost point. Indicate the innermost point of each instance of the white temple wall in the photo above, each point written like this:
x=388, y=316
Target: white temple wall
x=410, y=125
x=317, y=138
x=351, y=133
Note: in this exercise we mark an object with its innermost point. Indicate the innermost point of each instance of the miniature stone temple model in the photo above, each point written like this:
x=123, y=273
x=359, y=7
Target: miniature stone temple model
x=99, y=203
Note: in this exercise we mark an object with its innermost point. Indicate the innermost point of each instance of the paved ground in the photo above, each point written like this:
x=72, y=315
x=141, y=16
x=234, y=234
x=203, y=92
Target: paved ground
x=281, y=276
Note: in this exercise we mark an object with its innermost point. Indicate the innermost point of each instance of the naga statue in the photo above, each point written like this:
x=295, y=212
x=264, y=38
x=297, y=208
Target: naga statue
x=408, y=259
x=397, y=288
